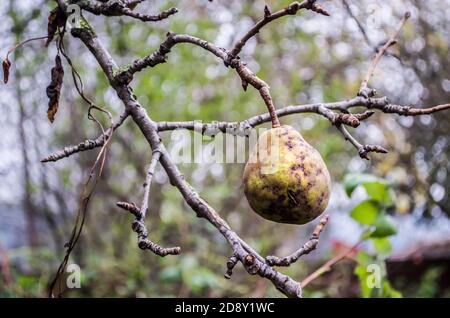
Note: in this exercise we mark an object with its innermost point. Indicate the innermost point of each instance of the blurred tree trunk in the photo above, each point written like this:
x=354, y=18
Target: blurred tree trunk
x=28, y=206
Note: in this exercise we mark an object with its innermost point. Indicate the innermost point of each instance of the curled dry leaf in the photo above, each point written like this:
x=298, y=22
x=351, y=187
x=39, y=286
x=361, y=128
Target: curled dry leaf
x=56, y=19
x=6, y=67
x=54, y=89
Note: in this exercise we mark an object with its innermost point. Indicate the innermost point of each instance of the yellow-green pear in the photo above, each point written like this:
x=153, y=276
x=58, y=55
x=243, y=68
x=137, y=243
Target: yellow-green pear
x=285, y=179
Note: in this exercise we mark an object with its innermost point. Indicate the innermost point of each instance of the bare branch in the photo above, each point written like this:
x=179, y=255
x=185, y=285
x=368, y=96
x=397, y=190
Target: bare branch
x=305, y=249
x=247, y=76
x=159, y=56
x=147, y=17
x=327, y=266
x=124, y=8
x=358, y=23
x=364, y=90
x=292, y=9
x=148, y=180
x=363, y=150
x=87, y=144
x=241, y=128
x=409, y=110
x=348, y=119
x=325, y=109
x=140, y=213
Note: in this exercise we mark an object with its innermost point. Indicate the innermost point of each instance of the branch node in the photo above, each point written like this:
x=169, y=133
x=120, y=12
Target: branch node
x=267, y=12
x=231, y=263
x=319, y=9
x=364, y=150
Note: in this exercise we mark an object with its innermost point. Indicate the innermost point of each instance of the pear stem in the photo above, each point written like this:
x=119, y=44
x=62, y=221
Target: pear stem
x=265, y=94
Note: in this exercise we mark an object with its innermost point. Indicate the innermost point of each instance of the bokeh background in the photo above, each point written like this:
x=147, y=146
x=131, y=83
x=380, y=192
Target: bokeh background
x=305, y=58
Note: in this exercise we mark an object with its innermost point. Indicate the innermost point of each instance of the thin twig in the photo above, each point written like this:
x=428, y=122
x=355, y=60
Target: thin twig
x=363, y=150
x=88, y=144
x=305, y=249
x=329, y=264
x=140, y=213
x=411, y=111
x=292, y=9
x=148, y=180
x=364, y=89
x=358, y=23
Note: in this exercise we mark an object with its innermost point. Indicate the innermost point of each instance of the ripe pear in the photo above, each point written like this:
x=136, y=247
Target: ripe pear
x=285, y=179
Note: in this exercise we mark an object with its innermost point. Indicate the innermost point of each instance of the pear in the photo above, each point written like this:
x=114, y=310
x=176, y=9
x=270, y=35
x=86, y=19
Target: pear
x=285, y=179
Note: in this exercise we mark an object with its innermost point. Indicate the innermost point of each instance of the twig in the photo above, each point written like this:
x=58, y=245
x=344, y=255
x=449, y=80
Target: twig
x=305, y=249
x=148, y=180
x=147, y=17
x=328, y=265
x=130, y=207
x=364, y=90
x=121, y=8
x=88, y=188
x=7, y=63
x=358, y=23
x=87, y=144
x=363, y=150
x=139, y=223
x=292, y=9
x=411, y=111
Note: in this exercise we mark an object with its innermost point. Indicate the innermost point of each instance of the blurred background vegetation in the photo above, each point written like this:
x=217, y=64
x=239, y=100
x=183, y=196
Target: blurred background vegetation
x=305, y=58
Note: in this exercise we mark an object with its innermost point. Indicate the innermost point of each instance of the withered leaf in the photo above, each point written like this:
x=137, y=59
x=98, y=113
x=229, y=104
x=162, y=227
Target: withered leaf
x=6, y=67
x=54, y=89
x=56, y=19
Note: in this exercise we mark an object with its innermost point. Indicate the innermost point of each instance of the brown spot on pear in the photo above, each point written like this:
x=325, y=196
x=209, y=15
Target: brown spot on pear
x=285, y=179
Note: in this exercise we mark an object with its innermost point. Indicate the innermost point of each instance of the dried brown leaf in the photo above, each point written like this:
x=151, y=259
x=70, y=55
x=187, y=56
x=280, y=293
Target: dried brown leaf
x=54, y=89
x=6, y=66
x=56, y=19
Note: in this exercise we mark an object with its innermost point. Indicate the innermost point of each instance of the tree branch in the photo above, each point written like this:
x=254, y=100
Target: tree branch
x=305, y=249
x=292, y=9
x=88, y=144
x=363, y=150
x=140, y=213
x=329, y=264
x=410, y=110
x=364, y=90
x=124, y=8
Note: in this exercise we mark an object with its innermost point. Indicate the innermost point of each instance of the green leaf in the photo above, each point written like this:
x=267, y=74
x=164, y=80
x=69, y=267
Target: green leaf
x=379, y=191
x=351, y=181
x=366, y=234
x=384, y=226
x=366, y=212
x=382, y=246
x=364, y=259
